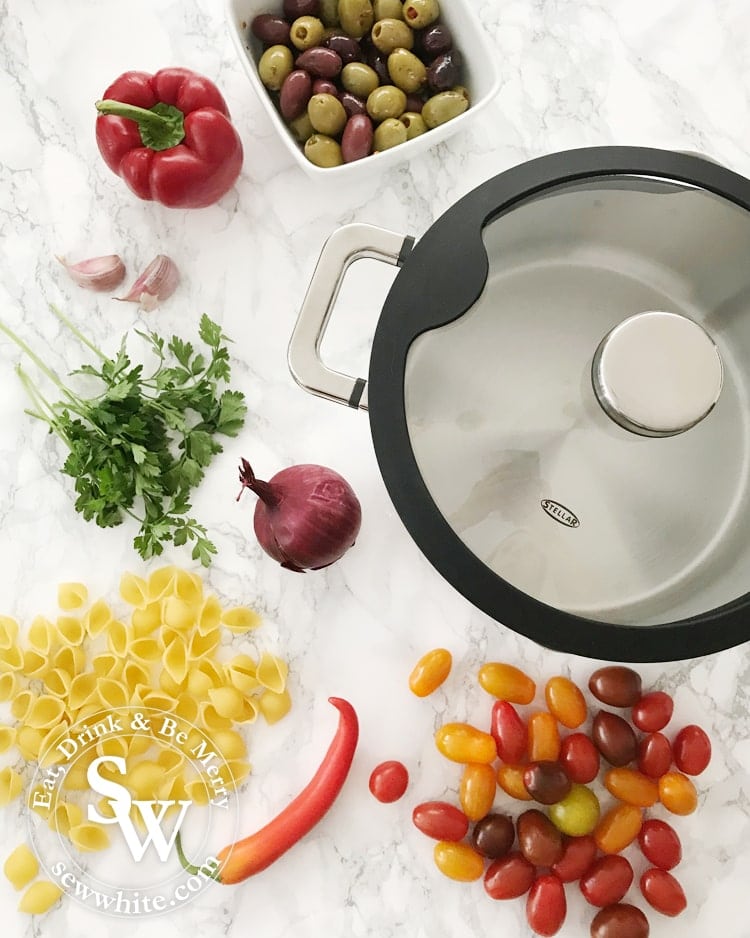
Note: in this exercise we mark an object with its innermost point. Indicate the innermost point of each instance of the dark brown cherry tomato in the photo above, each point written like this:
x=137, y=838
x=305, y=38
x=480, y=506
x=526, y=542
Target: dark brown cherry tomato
x=620, y=921
x=691, y=750
x=654, y=755
x=580, y=758
x=617, y=686
x=653, y=711
x=607, y=880
x=546, y=905
x=546, y=782
x=614, y=738
x=662, y=891
x=540, y=841
x=440, y=820
x=388, y=781
x=509, y=731
x=509, y=877
x=660, y=844
x=493, y=836
x=578, y=855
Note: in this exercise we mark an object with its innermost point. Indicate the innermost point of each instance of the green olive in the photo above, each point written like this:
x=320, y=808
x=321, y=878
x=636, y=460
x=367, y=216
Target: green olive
x=356, y=17
x=306, y=32
x=323, y=151
x=274, y=65
x=329, y=12
x=444, y=107
x=414, y=124
x=389, y=34
x=407, y=71
x=391, y=9
x=389, y=134
x=386, y=101
x=420, y=13
x=359, y=79
x=301, y=127
x=327, y=114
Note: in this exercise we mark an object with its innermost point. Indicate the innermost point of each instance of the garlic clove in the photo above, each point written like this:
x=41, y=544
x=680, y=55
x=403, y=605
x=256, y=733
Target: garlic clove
x=96, y=273
x=156, y=284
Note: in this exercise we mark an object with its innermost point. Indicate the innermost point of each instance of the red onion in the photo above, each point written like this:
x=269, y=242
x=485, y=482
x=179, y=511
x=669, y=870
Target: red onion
x=306, y=517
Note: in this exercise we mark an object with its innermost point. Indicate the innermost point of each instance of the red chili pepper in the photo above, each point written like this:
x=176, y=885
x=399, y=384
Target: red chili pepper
x=259, y=850
x=169, y=136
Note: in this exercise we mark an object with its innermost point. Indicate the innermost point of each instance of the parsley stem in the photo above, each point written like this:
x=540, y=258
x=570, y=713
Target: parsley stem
x=77, y=333
x=35, y=358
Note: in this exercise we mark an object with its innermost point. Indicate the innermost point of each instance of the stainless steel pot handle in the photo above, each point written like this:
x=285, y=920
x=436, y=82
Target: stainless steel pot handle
x=343, y=247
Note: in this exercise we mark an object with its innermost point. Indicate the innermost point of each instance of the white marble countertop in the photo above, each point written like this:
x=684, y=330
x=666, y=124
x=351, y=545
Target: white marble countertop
x=671, y=74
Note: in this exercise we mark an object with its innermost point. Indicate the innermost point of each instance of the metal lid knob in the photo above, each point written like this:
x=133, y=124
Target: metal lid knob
x=657, y=373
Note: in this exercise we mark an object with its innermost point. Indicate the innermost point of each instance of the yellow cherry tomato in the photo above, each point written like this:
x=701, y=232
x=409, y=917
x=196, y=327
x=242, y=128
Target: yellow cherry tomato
x=565, y=702
x=476, y=792
x=507, y=682
x=510, y=779
x=544, y=737
x=458, y=861
x=677, y=793
x=461, y=742
x=618, y=828
x=430, y=672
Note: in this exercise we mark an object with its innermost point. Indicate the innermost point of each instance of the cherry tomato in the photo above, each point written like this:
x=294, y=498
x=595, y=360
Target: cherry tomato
x=544, y=737
x=509, y=877
x=509, y=731
x=461, y=742
x=614, y=738
x=507, y=682
x=539, y=840
x=578, y=855
x=660, y=844
x=662, y=891
x=577, y=813
x=458, y=861
x=546, y=905
x=606, y=881
x=388, y=781
x=653, y=711
x=565, y=702
x=677, y=793
x=476, y=792
x=692, y=750
x=510, y=779
x=654, y=755
x=617, y=686
x=440, y=820
x=430, y=672
x=546, y=782
x=493, y=836
x=631, y=787
x=618, y=828
x=620, y=921
x=580, y=758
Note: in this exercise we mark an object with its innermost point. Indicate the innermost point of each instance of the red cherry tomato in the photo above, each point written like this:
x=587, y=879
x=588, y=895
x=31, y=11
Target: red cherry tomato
x=509, y=877
x=509, y=731
x=607, y=880
x=654, y=755
x=660, y=844
x=580, y=758
x=578, y=855
x=546, y=905
x=692, y=750
x=388, y=781
x=661, y=890
x=440, y=820
x=653, y=711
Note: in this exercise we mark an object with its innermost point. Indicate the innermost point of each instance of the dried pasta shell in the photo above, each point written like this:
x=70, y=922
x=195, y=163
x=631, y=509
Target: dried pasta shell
x=146, y=620
x=199, y=791
x=171, y=762
x=209, y=617
x=71, y=595
x=241, y=671
x=39, y=897
x=169, y=685
x=188, y=587
x=49, y=754
x=11, y=658
x=227, y=701
x=229, y=744
x=119, y=637
x=58, y=682
x=22, y=704
x=134, y=590
x=272, y=672
x=70, y=659
x=199, y=683
x=29, y=742
x=145, y=649
x=89, y=836
x=70, y=629
x=8, y=632
x=202, y=645
x=249, y=712
x=144, y=780
x=66, y=814
x=112, y=694
x=186, y=708
x=161, y=581
x=178, y=614
x=274, y=706
x=113, y=746
x=82, y=689
x=106, y=664
x=41, y=635
x=98, y=617
x=8, y=684
x=135, y=675
x=7, y=737
x=211, y=720
x=34, y=663
x=240, y=619
x=11, y=784
x=45, y=712
x=21, y=867
x=175, y=661
x=237, y=770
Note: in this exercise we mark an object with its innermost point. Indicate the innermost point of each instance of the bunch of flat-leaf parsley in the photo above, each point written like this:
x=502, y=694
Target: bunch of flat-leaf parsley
x=143, y=442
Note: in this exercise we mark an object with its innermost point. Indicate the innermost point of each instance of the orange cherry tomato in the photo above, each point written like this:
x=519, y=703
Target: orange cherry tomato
x=618, y=828
x=677, y=793
x=510, y=779
x=544, y=737
x=476, y=792
x=458, y=861
x=430, y=672
x=565, y=702
x=461, y=742
x=507, y=682
x=631, y=787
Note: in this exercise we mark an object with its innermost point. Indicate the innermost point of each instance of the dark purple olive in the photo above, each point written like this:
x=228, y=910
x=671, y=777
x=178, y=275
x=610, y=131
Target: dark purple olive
x=346, y=46
x=319, y=62
x=352, y=104
x=540, y=841
x=379, y=63
x=295, y=93
x=356, y=140
x=445, y=71
x=295, y=8
x=614, y=738
x=616, y=685
x=435, y=40
x=271, y=30
x=414, y=104
x=493, y=836
x=325, y=86
x=546, y=782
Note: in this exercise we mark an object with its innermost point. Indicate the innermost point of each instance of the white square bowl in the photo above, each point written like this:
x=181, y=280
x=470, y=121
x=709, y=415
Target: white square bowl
x=480, y=76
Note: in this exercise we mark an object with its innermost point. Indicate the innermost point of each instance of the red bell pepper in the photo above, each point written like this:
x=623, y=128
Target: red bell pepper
x=170, y=137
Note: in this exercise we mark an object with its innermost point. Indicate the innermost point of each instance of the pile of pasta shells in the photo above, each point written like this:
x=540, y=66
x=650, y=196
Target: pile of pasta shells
x=173, y=651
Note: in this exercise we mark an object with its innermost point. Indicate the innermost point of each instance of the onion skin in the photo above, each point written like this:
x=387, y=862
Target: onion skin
x=307, y=516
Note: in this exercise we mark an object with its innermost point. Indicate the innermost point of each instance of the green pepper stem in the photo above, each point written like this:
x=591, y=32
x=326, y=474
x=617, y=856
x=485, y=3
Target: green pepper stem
x=187, y=865
x=161, y=127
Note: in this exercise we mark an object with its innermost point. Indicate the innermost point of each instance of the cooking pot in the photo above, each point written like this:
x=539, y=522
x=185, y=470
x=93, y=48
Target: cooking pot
x=558, y=397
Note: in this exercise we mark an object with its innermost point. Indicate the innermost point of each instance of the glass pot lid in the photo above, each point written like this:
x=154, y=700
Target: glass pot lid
x=580, y=426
